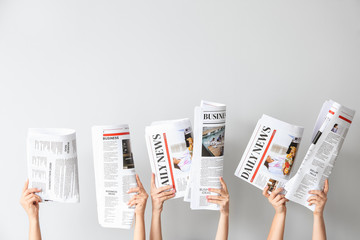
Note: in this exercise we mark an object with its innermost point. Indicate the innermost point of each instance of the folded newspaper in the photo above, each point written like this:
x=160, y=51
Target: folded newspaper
x=208, y=156
x=271, y=151
x=169, y=145
x=114, y=175
x=52, y=164
x=329, y=134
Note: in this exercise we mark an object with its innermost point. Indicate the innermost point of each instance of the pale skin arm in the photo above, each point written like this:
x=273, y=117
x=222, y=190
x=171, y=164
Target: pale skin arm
x=223, y=201
x=319, y=198
x=278, y=201
x=30, y=202
x=139, y=201
x=158, y=197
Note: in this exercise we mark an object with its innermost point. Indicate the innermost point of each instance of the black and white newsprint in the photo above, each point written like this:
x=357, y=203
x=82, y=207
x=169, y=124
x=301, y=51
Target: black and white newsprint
x=208, y=155
x=52, y=164
x=330, y=130
x=114, y=175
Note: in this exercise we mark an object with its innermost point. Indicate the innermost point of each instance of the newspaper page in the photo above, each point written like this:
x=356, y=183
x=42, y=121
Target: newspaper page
x=270, y=153
x=114, y=175
x=208, y=156
x=329, y=134
x=52, y=164
x=170, y=145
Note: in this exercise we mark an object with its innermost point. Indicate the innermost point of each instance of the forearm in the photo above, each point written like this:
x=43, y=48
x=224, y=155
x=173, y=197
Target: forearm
x=319, y=232
x=155, y=231
x=277, y=227
x=223, y=227
x=139, y=231
x=34, y=229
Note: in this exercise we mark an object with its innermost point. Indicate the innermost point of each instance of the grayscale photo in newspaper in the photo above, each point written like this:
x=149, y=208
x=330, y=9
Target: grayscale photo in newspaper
x=52, y=164
x=114, y=175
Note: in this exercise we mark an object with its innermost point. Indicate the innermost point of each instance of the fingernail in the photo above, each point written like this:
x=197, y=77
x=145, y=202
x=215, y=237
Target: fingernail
x=209, y=189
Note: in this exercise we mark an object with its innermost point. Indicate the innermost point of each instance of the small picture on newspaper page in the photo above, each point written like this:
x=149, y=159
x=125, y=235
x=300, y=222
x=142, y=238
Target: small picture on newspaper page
x=338, y=129
x=128, y=161
x=181, y=156
x=282, y=154
x=189, y=140
x=213, y=141
x=272, y=184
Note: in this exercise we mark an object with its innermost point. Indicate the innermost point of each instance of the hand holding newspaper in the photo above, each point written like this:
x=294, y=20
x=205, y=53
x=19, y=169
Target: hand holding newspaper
x=52, y=164
x=114, y=175
x=208, y=157
x=330, y=130
x=271, y=151
x=169, y=145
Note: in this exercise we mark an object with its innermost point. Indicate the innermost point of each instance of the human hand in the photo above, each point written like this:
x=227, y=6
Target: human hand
x=30, y=201
x=140, y=199
x=160, y=195
x=319, y=198
x=223, y=199
x=277, y=200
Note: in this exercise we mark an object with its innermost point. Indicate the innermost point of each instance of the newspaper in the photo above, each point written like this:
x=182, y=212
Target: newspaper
x=270, y=154
x=114, y=175
x=208, y=156
x=329, y=134
x=52, y=164
x=170, y=145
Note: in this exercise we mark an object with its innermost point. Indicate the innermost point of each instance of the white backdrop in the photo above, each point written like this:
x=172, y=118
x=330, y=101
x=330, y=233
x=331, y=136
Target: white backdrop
x=80, y=63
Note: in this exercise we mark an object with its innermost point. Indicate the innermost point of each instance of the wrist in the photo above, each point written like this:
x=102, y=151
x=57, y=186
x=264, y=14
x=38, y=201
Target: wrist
x=318, y=214
x=280, y=212
x=224, y=213
x=34, y=219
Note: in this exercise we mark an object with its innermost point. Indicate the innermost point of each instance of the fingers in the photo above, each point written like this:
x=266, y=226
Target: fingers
x=278, y=197
x=215, y=201
x=162, y=199
x=138, y=181
x=164, y=188
x=33, y=198
x=153, y=181
x=223, y=184
x=318, y=193
x=215, y=190
x=275, y=192
x=31, y=190
x=326, y=186
x=316, y=198
x=134, y=190
x=211, y=197
x=283, y=201
x=166, y=193
x=26, y=186
x=265, y=192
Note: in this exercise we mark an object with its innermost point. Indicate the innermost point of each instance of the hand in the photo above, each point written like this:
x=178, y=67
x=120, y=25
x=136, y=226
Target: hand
x=277, y=200
x=160, y=195
x=30, y=201
x=223, y=199
x=140, y=199
x=319, y=198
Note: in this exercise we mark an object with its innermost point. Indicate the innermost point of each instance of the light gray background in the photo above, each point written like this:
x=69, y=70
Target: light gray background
x=80, y=63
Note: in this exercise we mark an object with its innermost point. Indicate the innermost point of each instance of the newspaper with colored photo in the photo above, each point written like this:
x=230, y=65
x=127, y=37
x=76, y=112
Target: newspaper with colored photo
x=330, y=130
x=52, y=164
x=170, y=147
x=270, y=154
x=208, y=155
x=114, y=175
